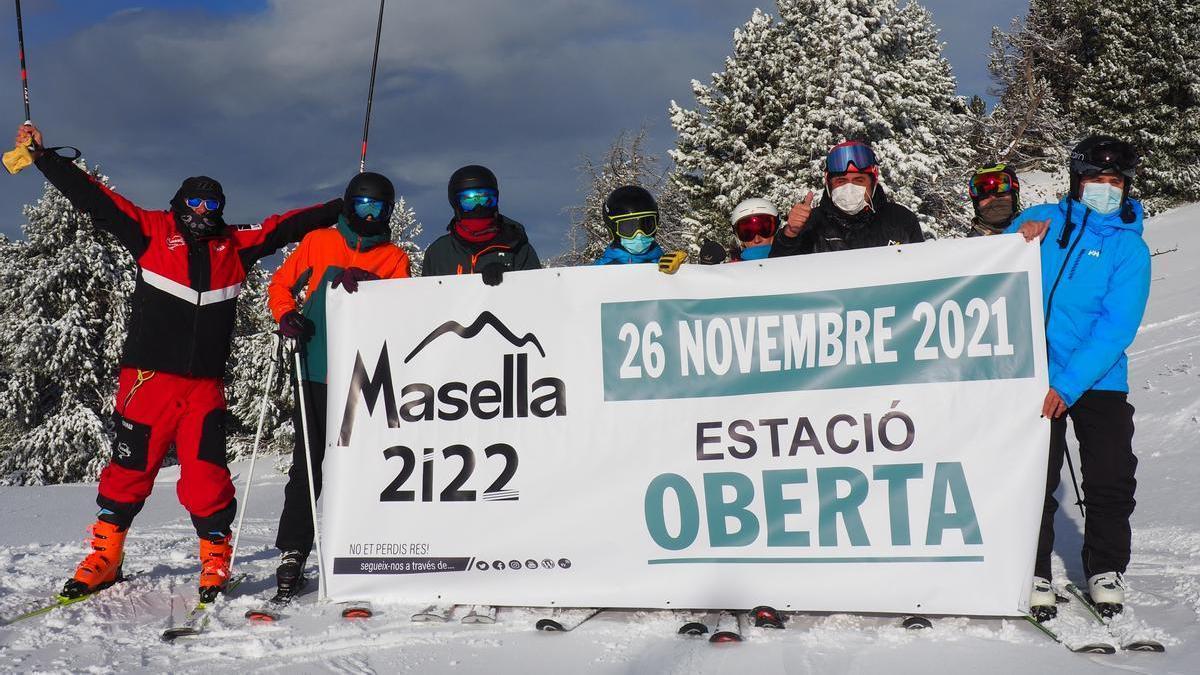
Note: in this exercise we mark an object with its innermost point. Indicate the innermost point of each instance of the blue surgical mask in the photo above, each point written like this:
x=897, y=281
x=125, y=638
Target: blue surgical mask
x=637, y=244
x=756, y=252
x=1102, y=197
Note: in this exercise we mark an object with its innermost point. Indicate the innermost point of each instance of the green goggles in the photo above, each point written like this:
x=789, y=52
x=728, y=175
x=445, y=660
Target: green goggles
x=628, y=225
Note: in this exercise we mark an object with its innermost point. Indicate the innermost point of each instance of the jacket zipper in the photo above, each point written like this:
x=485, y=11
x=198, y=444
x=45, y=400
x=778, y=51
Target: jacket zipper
x=1063, y=267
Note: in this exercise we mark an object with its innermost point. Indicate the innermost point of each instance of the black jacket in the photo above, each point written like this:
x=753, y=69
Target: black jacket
x=451, y=254
x=185, y=301
x=828, y=229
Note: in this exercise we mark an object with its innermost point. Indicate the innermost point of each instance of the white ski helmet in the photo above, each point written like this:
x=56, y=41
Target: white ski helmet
x=752, y=206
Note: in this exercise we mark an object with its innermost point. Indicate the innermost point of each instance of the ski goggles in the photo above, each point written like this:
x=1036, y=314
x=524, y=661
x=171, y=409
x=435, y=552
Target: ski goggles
x=628, y=225
x=366, y=207
x=209, y=204
x=842, y=156
x=1117, y=156
x=994, y=181
x=756, y=225
x=469, y=200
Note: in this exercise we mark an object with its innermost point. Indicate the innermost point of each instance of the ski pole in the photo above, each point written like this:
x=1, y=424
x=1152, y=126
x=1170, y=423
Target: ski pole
x=21, y=52
x=249, y=482
x=302, y=402
x=20, y=157
x=362, y=160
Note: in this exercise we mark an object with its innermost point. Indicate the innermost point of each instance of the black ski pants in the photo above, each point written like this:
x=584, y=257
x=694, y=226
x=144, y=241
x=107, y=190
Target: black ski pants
x=295, y=523
x=1103, y=422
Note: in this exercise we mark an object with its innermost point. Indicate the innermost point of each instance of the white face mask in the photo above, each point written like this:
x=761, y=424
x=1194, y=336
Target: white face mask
x=850, y=198
x=1101, y=197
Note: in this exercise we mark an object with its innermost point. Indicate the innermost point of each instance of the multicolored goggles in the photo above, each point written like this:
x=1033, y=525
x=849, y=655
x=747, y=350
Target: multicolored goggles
x=843, y=155
x=366, y=207
x=628, y=225
x=469, y=200
x=756, y=225
x=209, y=204
x=996, y=180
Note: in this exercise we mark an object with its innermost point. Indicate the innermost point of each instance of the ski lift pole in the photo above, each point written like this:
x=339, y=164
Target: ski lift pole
x=362, y=160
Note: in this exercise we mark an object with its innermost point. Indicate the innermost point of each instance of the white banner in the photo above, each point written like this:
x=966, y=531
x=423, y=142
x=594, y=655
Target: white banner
x=855, y=431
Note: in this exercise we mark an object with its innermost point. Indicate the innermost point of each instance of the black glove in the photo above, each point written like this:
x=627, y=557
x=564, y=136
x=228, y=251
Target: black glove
x=711, y=253
x=493, y=274
x=294, y=326
x=349, y=278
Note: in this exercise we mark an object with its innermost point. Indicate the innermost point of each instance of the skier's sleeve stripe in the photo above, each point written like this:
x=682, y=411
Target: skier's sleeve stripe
x=187, y=294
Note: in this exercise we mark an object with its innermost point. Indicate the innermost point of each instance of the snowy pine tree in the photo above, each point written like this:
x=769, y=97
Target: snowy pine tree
x=625, y=163
x=822, y=72
x=1028, y=128
x=254, y=346
x=1140, y=83
x=64, y=293
x=406, y=229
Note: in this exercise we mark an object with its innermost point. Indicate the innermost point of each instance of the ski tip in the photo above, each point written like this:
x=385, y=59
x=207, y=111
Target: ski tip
x=357, y=613
x=171, y=634
x=916, y=623
x=693, y=628
x=766, y=616
x=1152, y=646
x=724, y=637
x=1095, y=648
x=549, y=626
x=261, y=616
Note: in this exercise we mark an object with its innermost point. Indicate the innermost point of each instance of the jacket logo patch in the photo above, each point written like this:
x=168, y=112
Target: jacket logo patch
x=1094, y=253
x=123, y=450
x=175, y=241
x=219, y=246
x=249, y=228
x=893, y=242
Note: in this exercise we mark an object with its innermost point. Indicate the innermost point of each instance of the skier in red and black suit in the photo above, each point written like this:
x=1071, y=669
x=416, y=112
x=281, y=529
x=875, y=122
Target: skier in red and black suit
x=191, y=266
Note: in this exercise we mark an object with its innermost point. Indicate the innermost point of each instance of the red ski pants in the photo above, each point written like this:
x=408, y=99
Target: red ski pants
x=154, y=410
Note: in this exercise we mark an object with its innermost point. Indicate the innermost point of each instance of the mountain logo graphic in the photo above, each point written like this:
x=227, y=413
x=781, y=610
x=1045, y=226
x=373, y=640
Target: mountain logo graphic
x=477, y=326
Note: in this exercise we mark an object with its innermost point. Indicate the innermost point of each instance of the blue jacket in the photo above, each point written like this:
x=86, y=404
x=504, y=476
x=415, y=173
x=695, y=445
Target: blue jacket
x=615, y=255
x=1094, y=291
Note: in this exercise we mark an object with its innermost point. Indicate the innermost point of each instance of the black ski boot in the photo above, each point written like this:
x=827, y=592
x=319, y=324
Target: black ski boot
x=289, y=576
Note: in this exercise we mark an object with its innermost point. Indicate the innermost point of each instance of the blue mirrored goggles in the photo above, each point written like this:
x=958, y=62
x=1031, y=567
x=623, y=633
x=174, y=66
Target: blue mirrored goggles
x=842, y=156
x=469, y=200
x=365, y=207
x=209, y=204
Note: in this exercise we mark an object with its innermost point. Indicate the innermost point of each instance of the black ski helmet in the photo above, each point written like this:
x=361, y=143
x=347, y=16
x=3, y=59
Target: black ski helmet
x=632, y=208
x=211, y=223
x=374, y=186
x=1103, y=154
x=472, y=176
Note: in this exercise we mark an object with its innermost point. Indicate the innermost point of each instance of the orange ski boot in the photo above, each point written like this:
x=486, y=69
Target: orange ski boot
x=215, y=558
x=102, y=567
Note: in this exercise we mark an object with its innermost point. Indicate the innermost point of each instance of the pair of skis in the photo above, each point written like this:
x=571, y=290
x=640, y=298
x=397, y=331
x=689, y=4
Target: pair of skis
x=1104, y=616
x=479, y=614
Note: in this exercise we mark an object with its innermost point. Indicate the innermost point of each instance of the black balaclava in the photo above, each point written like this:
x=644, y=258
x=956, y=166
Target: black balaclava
x=206, y=226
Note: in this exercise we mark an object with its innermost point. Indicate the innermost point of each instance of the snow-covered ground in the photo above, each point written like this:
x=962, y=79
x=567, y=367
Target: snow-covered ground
x=42, y=536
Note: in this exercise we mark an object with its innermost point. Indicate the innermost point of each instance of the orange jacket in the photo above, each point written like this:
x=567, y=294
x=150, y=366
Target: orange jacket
x=321, y=255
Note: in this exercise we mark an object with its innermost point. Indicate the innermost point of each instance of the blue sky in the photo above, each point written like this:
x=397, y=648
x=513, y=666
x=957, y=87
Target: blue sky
x=268, y=96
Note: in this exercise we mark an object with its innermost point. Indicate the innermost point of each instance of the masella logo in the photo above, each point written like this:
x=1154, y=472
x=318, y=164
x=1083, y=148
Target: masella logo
x=510, y=394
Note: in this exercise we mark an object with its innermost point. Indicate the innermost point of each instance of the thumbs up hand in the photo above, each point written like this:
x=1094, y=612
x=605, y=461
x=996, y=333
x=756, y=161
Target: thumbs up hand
x=799, y=215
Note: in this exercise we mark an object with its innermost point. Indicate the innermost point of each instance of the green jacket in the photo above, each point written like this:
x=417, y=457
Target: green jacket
x=452, y=254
